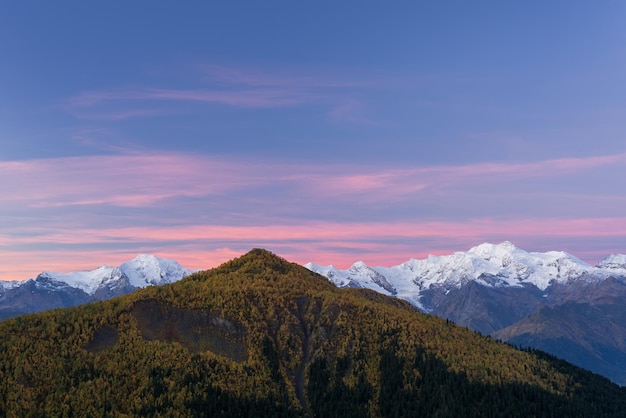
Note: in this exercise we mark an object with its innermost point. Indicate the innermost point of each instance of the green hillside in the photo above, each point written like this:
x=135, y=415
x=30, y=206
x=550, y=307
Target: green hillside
x=259, y=336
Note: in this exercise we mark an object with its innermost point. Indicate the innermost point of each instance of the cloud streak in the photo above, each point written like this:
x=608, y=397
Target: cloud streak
x=255, y=78
x=202, y=246
x=334, y=231
x=143, y=179
x=136, y=180
x=255, y=98
x=230, y=87
x=198, y=207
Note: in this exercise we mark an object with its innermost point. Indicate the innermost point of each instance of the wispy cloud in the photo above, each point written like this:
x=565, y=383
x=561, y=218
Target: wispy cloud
x=407, y=181
x=265, y=98
x=145, y=103
x=351, y=111
x=191, y=206
x=126, y=180
x=143, y=179
x=285, y=78
x=223, y=86
x=334, y=231
x=203, y=246
x=123, y=114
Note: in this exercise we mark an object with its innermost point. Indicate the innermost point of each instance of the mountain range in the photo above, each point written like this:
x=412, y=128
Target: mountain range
x=262, y=337
x=52, y=290
x=552, y=301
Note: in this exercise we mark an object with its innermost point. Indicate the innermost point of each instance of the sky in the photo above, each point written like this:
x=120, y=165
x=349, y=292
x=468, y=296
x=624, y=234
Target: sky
x=329, y=132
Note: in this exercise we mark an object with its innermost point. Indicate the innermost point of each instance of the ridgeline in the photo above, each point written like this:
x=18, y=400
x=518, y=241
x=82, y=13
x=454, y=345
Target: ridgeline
x=259, y=336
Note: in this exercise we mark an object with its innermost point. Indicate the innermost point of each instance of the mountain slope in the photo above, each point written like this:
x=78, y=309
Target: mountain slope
x=259, y=336
x=587, y=329
x=58, y=290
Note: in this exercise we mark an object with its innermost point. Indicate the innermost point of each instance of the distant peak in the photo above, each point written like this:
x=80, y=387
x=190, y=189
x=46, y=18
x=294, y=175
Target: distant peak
x=487, y=248
x=149, y=259
x=145, y=257
x=614, y=261
x=359, y=265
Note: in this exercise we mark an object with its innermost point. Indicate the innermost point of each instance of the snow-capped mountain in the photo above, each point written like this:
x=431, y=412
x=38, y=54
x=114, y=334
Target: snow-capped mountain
x=55, y=290
x=552, y=301
x=490, y=265
x=613, y=262
x=143, y=270
x=6, y=285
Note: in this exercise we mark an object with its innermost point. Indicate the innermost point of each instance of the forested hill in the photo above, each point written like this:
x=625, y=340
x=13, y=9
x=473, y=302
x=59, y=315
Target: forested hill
x=259, y=336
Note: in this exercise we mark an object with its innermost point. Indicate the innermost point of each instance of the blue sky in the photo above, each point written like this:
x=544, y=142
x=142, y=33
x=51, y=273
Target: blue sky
x=329, y=131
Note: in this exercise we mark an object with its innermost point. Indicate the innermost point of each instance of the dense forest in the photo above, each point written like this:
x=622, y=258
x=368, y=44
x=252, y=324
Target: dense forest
x=259, y=336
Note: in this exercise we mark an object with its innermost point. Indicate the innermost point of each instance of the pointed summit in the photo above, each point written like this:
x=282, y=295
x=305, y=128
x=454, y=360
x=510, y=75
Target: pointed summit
x=488, y=250
x=261, y=264
x=359, y=265
x=613, y=262
x=146, y=269
x=255, y=259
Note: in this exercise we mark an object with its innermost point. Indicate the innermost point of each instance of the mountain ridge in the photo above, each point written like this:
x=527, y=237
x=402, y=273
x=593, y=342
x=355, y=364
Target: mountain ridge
x=515, y=295
x=260, y=336
x=505, y=263
x=51, y=290
x=496, y=289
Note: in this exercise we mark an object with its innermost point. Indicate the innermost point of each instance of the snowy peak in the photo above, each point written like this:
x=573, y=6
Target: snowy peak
x=613, y=262
x=488, y=250
x=329, y=272
x=144, y=270
x=506, y=253
x=359, y=266
x=370, y=278
x=52, y=290
x=517, y=266
x=492, y=265
x=6, y=285
x=88, y=280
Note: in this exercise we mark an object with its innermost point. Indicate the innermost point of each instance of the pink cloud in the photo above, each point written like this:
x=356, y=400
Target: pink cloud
x=236, y=190
x=125, y=180
x=324, y=243
x=545, y=167
x=145, y=180
x=136, y=180
x=17, y=265
x=408, y=181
